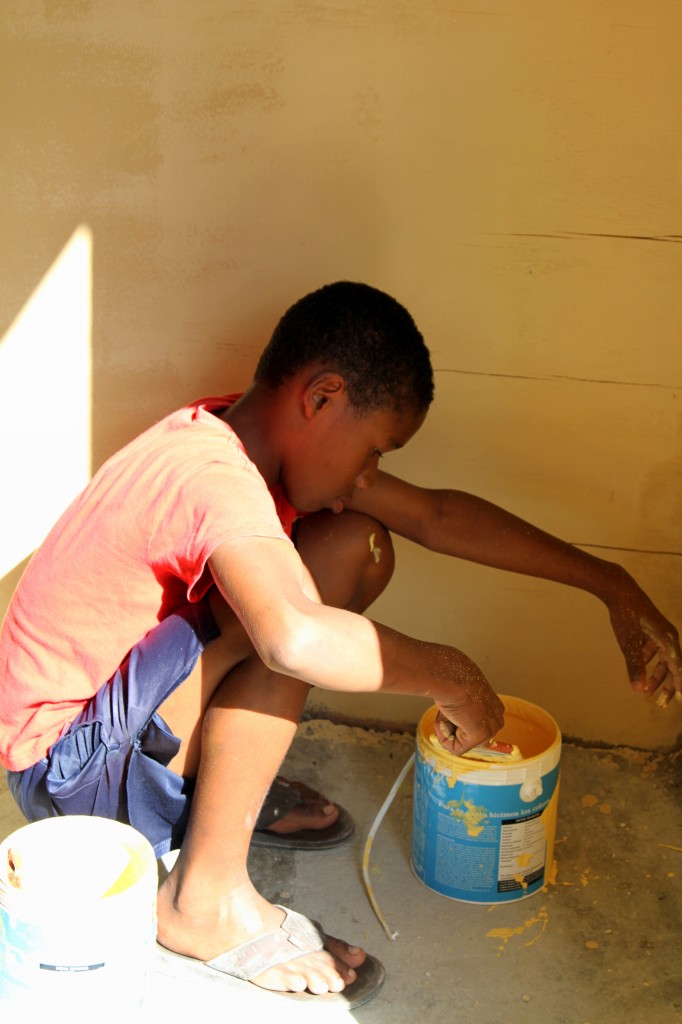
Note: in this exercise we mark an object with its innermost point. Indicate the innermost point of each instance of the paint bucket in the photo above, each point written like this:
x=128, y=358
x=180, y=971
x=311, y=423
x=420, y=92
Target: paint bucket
x=483, y=832
x=77, y=919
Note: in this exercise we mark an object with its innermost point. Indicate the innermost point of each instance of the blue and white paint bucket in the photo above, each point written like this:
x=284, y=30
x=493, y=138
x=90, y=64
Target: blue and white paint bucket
x=77, y=919
x=483, y=832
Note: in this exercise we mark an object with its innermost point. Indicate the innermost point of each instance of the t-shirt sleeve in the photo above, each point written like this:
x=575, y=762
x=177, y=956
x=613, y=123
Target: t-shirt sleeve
x=202, y=508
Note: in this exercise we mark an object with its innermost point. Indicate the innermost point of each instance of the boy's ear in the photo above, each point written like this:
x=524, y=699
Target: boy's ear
x=322, y=389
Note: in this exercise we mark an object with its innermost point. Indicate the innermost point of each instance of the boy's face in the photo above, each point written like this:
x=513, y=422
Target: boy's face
x=341, y=452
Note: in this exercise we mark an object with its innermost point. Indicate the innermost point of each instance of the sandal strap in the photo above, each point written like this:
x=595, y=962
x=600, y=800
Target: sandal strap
x=281, y=798
x=295, y=936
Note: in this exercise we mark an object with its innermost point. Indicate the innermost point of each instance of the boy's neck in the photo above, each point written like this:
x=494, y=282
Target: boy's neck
x=253, y=419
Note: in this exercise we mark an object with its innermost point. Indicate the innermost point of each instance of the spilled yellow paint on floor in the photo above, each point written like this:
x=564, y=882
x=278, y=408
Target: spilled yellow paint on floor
x=590, y=800
x=533, y=925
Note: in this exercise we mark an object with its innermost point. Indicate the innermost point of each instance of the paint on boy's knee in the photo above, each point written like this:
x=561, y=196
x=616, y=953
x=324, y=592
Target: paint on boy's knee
x=376, y=551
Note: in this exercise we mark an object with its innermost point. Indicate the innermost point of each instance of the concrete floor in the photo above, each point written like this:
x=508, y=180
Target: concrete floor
x=599, y=945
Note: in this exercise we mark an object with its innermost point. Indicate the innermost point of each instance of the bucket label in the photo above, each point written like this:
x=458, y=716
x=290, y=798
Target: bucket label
x=68, y=967
x=479, y=843
x=523, y=849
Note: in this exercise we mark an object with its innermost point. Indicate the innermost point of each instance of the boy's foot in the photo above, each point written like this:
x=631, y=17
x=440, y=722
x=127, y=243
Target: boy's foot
x=283, y=953
x=297, y=817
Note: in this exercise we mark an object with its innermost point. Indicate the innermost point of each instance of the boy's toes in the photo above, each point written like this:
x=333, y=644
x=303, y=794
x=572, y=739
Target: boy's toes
x=305, y=816
x=318, y=972
x=352, y=956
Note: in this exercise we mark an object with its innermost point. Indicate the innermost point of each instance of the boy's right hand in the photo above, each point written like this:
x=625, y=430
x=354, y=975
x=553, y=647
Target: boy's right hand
x=472, y=718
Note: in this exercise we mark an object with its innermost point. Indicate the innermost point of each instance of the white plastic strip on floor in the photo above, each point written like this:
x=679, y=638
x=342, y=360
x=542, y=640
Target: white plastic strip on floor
x=370, y=839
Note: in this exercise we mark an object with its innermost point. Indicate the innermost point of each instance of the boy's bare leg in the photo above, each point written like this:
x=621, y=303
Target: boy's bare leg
x=248, y=718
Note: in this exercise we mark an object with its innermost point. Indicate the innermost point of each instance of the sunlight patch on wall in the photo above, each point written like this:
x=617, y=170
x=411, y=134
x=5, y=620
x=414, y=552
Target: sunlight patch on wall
x=45, y=396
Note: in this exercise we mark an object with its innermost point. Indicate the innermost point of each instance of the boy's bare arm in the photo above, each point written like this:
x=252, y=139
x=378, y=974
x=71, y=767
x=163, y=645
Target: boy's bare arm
x=271, y=592
x=465, y=526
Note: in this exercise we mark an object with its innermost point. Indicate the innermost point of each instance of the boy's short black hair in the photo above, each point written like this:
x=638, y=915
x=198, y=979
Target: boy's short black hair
x=363, y=334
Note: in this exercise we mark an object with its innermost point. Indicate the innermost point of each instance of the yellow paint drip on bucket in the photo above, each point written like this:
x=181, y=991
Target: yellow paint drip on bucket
x=77, y=919
x=483, y=831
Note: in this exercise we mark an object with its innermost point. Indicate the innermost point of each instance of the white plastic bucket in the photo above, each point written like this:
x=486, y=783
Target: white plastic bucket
x=483, y=832
x=77, y=919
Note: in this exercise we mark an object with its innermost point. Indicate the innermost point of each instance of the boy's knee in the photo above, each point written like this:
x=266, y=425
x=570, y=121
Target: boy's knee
x=350, y=556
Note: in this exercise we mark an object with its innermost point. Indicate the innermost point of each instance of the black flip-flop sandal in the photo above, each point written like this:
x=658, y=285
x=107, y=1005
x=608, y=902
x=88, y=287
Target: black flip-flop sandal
x=283, y=798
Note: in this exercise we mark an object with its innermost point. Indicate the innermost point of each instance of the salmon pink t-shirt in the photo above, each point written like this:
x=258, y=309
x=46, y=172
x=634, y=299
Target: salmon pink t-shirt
x=131, y=549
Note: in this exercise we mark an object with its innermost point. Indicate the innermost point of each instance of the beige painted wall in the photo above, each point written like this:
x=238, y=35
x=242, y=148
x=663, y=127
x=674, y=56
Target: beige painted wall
x=511, y=172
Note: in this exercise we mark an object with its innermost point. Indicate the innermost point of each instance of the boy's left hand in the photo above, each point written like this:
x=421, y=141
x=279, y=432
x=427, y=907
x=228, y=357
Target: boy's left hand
x=650, y=645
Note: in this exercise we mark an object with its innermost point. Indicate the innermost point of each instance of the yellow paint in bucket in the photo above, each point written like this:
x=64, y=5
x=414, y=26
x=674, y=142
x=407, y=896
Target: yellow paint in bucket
x=483, y=832
x=77, y=918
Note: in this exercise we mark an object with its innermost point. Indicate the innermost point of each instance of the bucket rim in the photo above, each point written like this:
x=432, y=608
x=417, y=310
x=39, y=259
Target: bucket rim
x=465, y=764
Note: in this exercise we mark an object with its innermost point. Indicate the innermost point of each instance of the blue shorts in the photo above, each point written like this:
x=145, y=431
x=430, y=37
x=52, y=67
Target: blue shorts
x=111, y=761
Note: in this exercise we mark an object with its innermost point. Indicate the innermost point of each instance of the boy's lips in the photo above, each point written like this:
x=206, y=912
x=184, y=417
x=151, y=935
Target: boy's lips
x=338, y=504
